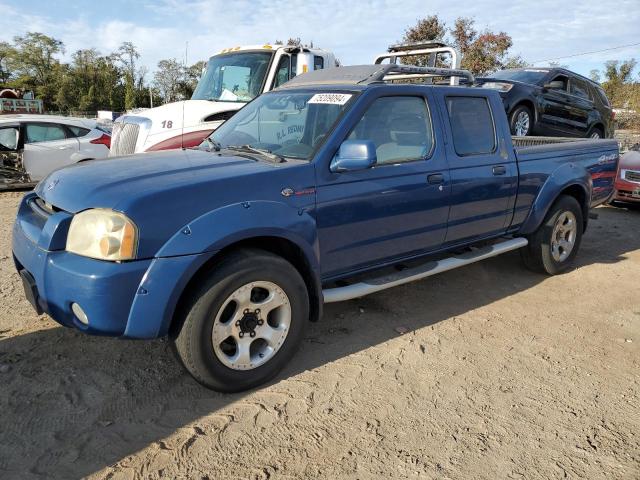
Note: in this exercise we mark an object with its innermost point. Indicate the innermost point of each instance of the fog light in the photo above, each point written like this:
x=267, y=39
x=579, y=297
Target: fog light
x=79, y=313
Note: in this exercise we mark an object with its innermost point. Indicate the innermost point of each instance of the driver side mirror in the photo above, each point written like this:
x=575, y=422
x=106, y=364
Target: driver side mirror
x=354, y=155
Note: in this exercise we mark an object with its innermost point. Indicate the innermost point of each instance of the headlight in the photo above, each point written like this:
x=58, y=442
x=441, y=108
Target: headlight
x=503, y=87
x=103, y=234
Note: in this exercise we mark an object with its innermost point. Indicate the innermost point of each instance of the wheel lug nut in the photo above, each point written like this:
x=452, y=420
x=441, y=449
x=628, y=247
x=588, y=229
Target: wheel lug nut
x=252, y=334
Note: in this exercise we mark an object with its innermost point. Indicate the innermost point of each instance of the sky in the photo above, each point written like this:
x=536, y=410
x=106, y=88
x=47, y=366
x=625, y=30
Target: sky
x=355, y=30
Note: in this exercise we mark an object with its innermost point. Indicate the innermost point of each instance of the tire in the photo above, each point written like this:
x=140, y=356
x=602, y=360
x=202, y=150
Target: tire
x=237, y=299
x=521, y=121
x=546, y=255
x=595, y=133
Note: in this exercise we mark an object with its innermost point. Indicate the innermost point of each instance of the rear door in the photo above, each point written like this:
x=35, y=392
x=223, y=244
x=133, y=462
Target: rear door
x=582, y=106
x=484, y=176
x=47, y=148
x=395, y=209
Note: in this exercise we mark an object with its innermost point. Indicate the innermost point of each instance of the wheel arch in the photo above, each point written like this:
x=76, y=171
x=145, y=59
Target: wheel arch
x=526, y=102
x=277, y=245
x=562, y=182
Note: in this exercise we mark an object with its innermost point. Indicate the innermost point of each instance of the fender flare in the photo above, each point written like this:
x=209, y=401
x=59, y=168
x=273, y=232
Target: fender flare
x=246, y=220
x=566, y=176
x=196, y=243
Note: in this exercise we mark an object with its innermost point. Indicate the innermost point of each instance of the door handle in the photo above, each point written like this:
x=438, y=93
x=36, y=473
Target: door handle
x=435, y=179
x=499, y=170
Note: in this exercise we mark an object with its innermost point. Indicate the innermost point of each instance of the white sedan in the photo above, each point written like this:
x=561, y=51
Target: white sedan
x=32, y=146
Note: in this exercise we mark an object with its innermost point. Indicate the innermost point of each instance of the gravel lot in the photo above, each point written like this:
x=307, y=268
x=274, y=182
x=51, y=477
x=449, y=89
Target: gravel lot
x=485, y=372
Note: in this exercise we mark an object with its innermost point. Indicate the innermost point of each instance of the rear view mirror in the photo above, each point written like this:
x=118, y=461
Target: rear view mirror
x=555, y=85
x=354, y=155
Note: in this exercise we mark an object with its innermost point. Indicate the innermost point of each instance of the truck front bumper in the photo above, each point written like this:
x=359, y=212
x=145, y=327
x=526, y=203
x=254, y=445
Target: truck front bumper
x=131, y=299
x=103, y=290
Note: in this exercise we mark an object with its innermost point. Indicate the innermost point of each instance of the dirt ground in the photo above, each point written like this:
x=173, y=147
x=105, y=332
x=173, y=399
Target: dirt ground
x=486, y=372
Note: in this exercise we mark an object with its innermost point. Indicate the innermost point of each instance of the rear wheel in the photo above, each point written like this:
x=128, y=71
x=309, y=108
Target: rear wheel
x=555, y=244
x=521, y=121
x=243, y=324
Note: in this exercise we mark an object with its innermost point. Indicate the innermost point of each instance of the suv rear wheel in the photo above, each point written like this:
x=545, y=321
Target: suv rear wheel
x=243, y=324
x=521, y=121
x=555, y=244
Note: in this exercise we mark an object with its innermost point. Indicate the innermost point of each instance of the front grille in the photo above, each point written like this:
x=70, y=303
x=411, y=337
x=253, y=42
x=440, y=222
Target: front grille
x=632, y=176
x=124, y=138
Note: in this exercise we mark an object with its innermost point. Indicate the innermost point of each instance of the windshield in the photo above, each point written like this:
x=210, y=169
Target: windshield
x=525, y=76
x=233, y=77
x=285, y=124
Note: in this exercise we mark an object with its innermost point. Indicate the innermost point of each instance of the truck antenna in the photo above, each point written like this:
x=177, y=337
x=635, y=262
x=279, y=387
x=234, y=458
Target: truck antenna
x=184, y=72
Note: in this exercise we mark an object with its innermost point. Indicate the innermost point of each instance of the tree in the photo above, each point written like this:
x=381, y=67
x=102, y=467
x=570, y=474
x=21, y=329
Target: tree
x=167, y=79
x=482, y=52
x=595, y=75
x=192, y=76
x=35, y=65
x=618, y=85
x=128, y=55
x=6, y=53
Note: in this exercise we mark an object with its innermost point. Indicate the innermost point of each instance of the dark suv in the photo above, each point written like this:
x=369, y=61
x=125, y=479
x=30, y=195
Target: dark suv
x=552, y=102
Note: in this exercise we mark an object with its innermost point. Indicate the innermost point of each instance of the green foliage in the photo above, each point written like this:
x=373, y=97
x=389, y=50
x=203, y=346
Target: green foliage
x=482, y=52
x=622, y=89
x=90, y=81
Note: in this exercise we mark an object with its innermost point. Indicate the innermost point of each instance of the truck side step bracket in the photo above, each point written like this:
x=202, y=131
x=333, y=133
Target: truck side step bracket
x=376, y=284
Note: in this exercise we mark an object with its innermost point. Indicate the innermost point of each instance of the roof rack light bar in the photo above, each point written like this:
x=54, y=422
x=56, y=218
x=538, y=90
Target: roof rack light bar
x=403, y=72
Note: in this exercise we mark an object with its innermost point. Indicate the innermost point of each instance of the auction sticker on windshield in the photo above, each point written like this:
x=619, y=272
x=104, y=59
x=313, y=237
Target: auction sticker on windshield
x=330, y=98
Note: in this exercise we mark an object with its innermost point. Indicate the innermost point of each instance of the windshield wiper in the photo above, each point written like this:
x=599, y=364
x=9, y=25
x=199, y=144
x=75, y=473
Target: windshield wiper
x=265, y=153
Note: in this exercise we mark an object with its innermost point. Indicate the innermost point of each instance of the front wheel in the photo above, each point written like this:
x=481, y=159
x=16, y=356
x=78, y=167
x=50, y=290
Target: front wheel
x=244, y=323
x=521, y=121
x=596, y=134
x=553, y=247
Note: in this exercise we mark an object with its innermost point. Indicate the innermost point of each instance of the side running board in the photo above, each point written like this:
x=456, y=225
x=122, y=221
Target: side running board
x=377, y=284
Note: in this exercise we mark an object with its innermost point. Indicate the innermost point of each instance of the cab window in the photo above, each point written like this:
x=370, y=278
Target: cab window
x=471, y=125
x=44, y=132
x=283, y=71
x=400, y=128
x=579, y=89
x=77, y=131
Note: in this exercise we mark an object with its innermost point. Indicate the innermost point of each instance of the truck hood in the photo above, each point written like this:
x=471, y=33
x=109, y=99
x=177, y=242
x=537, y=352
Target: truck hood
x=117, y=181
x=163, y=192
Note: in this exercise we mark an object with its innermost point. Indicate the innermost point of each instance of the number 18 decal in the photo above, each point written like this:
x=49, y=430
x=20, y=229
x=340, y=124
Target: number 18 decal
x=167, y=124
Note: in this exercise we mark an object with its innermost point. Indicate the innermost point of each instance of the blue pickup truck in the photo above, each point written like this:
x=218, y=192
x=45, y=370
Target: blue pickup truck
x=336, y=185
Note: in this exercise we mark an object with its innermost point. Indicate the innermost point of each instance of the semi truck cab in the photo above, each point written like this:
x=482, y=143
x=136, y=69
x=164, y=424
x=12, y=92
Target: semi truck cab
x=230, y=79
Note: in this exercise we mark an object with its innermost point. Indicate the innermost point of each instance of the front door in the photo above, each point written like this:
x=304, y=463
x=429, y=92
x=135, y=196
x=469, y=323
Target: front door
x=557, y=108
x=11, y=171
x=395, y=209
x=484, y=176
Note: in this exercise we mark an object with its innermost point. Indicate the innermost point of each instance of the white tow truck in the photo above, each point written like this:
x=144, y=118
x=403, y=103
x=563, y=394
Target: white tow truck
x=236, y=76
x=230, y=79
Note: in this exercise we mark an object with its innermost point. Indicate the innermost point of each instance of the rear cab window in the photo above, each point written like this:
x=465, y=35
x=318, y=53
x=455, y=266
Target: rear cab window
x=472, y=125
